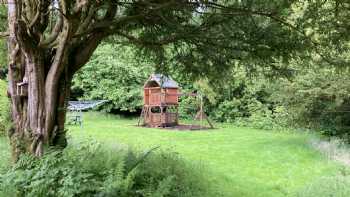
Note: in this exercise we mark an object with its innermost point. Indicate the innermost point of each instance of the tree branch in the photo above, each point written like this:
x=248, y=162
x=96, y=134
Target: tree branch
x=4, y=34
x=83, y=52
x=54, y=34
x=54, y=74
x=108, y=25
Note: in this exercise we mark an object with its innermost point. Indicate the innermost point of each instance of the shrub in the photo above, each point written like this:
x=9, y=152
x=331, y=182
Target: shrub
x=4, y=108
x=317, y=99
x=94, y=171
x=228, y=111
x=263, y=118
x=188, y=107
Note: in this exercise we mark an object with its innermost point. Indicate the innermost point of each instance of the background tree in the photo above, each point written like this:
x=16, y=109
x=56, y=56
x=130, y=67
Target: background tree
x=327, y=25
x=116, y=79
x=50, y=41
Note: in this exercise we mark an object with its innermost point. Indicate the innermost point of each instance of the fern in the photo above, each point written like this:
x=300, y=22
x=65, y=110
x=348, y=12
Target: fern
x=90, y=170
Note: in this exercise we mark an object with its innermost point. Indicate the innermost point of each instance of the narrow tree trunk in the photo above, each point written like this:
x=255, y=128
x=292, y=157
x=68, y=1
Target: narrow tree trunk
x=57, y=138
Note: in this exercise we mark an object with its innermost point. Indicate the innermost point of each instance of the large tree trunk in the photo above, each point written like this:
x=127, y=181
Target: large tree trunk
x=42, y=62
x=38, y=119
x=38, y=106
x=37, y=91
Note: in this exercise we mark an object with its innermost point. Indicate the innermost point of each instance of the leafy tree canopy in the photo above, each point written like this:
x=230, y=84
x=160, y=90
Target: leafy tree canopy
x=49, y=41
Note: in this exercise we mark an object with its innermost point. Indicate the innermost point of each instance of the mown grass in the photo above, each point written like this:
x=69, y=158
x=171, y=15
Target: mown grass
x=237, y=161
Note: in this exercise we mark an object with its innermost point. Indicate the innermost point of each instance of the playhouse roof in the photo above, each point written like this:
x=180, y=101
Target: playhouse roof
x=162, y=80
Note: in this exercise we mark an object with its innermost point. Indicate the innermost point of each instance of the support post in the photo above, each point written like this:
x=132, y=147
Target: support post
x=201, y=110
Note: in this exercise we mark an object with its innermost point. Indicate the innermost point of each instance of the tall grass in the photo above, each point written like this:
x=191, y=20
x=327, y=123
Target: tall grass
x=332, y=186
x=90, y=170
x=334, y=149
x=337, y=185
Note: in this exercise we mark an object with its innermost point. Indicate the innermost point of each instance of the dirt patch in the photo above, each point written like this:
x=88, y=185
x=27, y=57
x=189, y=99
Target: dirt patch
x=184, y=127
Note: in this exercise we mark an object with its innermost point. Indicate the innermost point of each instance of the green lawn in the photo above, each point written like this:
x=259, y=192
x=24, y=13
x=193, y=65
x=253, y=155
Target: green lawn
x=237, y=161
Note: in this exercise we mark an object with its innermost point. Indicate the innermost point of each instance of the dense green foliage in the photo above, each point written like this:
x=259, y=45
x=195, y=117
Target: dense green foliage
x=317, y=99
x=196, y=40
x=93, y=170
x=113, y=74
x=206, y=38
x=327, y=25
x=4, y=108
x=301, y=95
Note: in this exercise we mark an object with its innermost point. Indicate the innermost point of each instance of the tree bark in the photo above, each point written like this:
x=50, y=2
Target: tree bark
x=37, y=91
x=41, y=72
x=38, y=115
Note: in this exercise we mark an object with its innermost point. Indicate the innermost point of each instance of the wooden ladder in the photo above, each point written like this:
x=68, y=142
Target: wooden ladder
x=144, y=114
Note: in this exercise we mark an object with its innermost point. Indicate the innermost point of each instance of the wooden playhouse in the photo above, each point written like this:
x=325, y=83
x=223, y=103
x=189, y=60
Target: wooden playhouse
x=161, y=99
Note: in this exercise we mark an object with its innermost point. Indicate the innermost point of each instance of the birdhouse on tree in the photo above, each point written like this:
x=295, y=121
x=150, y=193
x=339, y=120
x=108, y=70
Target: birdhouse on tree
x=161, y=99
x=22, y=88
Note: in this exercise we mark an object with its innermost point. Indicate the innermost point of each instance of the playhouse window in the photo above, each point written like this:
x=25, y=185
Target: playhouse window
x=155, y=110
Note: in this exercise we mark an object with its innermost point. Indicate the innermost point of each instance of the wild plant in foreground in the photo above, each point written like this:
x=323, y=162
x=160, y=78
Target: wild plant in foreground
x=90, y=170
